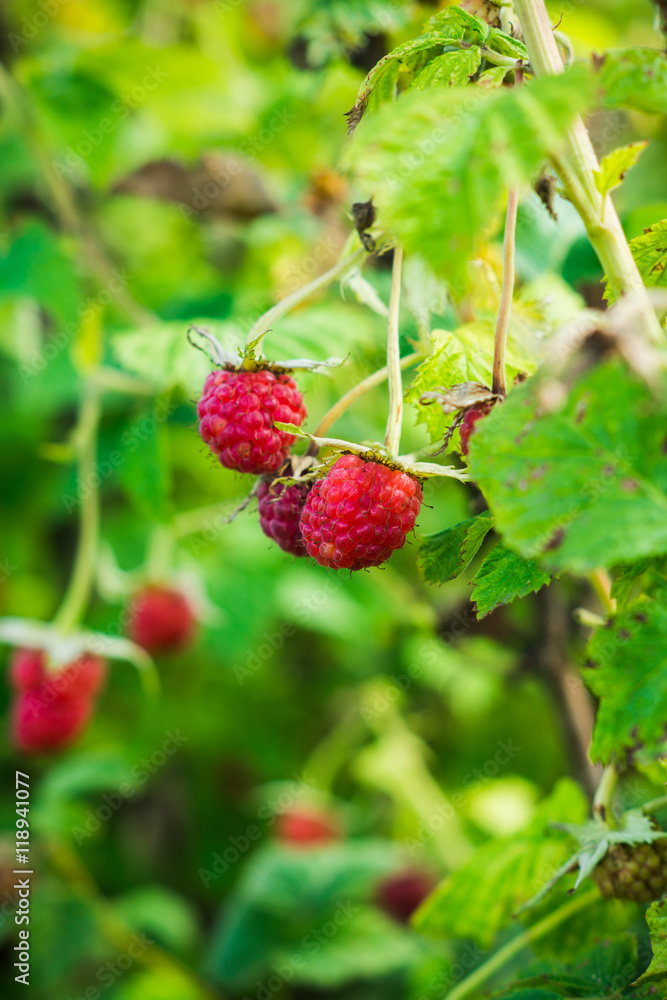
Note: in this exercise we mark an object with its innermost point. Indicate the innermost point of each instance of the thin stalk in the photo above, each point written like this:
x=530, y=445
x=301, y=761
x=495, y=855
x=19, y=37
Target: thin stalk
x=576, y=167
x=601, y=583
x=605, y=792
x=276, y=312
x=514, y=947
x=655, y=804
x=506, y=294
x=94, y=256
x=81, y=581
x=346, y=401
x=117, y=933
x=392, y=437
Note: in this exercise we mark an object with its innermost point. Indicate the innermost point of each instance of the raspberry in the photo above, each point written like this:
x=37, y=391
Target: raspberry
x=359, y=514
x=81, y=679
x=633, y=871
x=469, y=421
x=236, y=414
x=43, y=724
x=307, y=827
x=399, y=895
x=162, y=620
x=51, y=709
x=280, y=509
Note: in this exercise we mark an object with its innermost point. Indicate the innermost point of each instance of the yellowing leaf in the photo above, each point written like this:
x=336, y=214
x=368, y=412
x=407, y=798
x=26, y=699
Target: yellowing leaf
x=615, y=166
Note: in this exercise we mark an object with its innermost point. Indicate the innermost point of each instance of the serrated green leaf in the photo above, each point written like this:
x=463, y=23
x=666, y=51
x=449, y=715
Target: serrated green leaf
x=633, y=78
x=438, y=163
x=627, y=669
x=479, y=899
x=459, y=24
x=493, y=77
x=582, y=487
x=163, y=356
x=503, y=577
x=650, y=253
x=445, y=555
x=623, y=585
x=656, y=918
x=505, y=45
x=464, y=355
x=615, y=166
x=450, y=69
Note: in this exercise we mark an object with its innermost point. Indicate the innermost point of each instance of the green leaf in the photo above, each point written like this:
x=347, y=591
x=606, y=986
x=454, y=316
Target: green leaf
x=505, y=45
x=656, y=918
x=464, y=355
x=163, y=356
x=143, y=467
x=615, y=166
x=479, y=899
x=36, y=267
x=650, y=253
x=627, y=669
x=557, y=482
x=493, y=77
x=633, y=78
x=459, y=24
x=445, y=555
x=450, y=69
x=160, y=913
x=503, y=577
x=438, y=163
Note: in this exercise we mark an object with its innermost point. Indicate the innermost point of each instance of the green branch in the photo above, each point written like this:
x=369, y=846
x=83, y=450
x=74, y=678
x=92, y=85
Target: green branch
x=473, y=982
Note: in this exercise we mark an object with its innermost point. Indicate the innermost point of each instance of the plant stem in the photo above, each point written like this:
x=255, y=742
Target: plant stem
x=276, y=312
x=576, y=168
x=655, y=804
x=80, y=583
x=506, y=293
x=94, y=257
x=605, y=792
x=117, y=933
x=601, y=583
x=392, y=437
x=539, y=930
x=344, y=403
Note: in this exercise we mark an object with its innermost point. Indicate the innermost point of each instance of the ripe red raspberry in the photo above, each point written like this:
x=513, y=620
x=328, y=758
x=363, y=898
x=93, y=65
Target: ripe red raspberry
x=399, y=895
x=236, y=414
x=280, y=509
x=359, y=513
x=161, y=620
x=52, y=708
x=41, y=724
x=80, y=679
x=633, y=871
x=305, y=827
x=469, y=421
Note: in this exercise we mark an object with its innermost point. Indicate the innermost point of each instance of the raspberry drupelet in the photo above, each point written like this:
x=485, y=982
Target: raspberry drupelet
x=280, y=509
x=359, y=514
x=236, y=414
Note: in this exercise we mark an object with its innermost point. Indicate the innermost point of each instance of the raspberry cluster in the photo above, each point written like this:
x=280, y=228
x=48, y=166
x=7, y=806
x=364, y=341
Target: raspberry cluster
x=359, y=514
x=236, y=414
x=51, y=709
x=633, y=871
x=280, y=509
x=162, y=620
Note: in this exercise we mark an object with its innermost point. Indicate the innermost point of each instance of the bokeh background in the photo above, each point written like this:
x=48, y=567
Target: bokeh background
x=167, y=161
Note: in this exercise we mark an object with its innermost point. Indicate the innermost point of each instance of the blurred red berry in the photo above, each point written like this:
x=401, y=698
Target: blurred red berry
x=280, y=509
x=236, y=418
x=469, y=422
x=307, y=827
x=52, y=708
x=399, y=895
x=359, y=514
x=162, y=620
